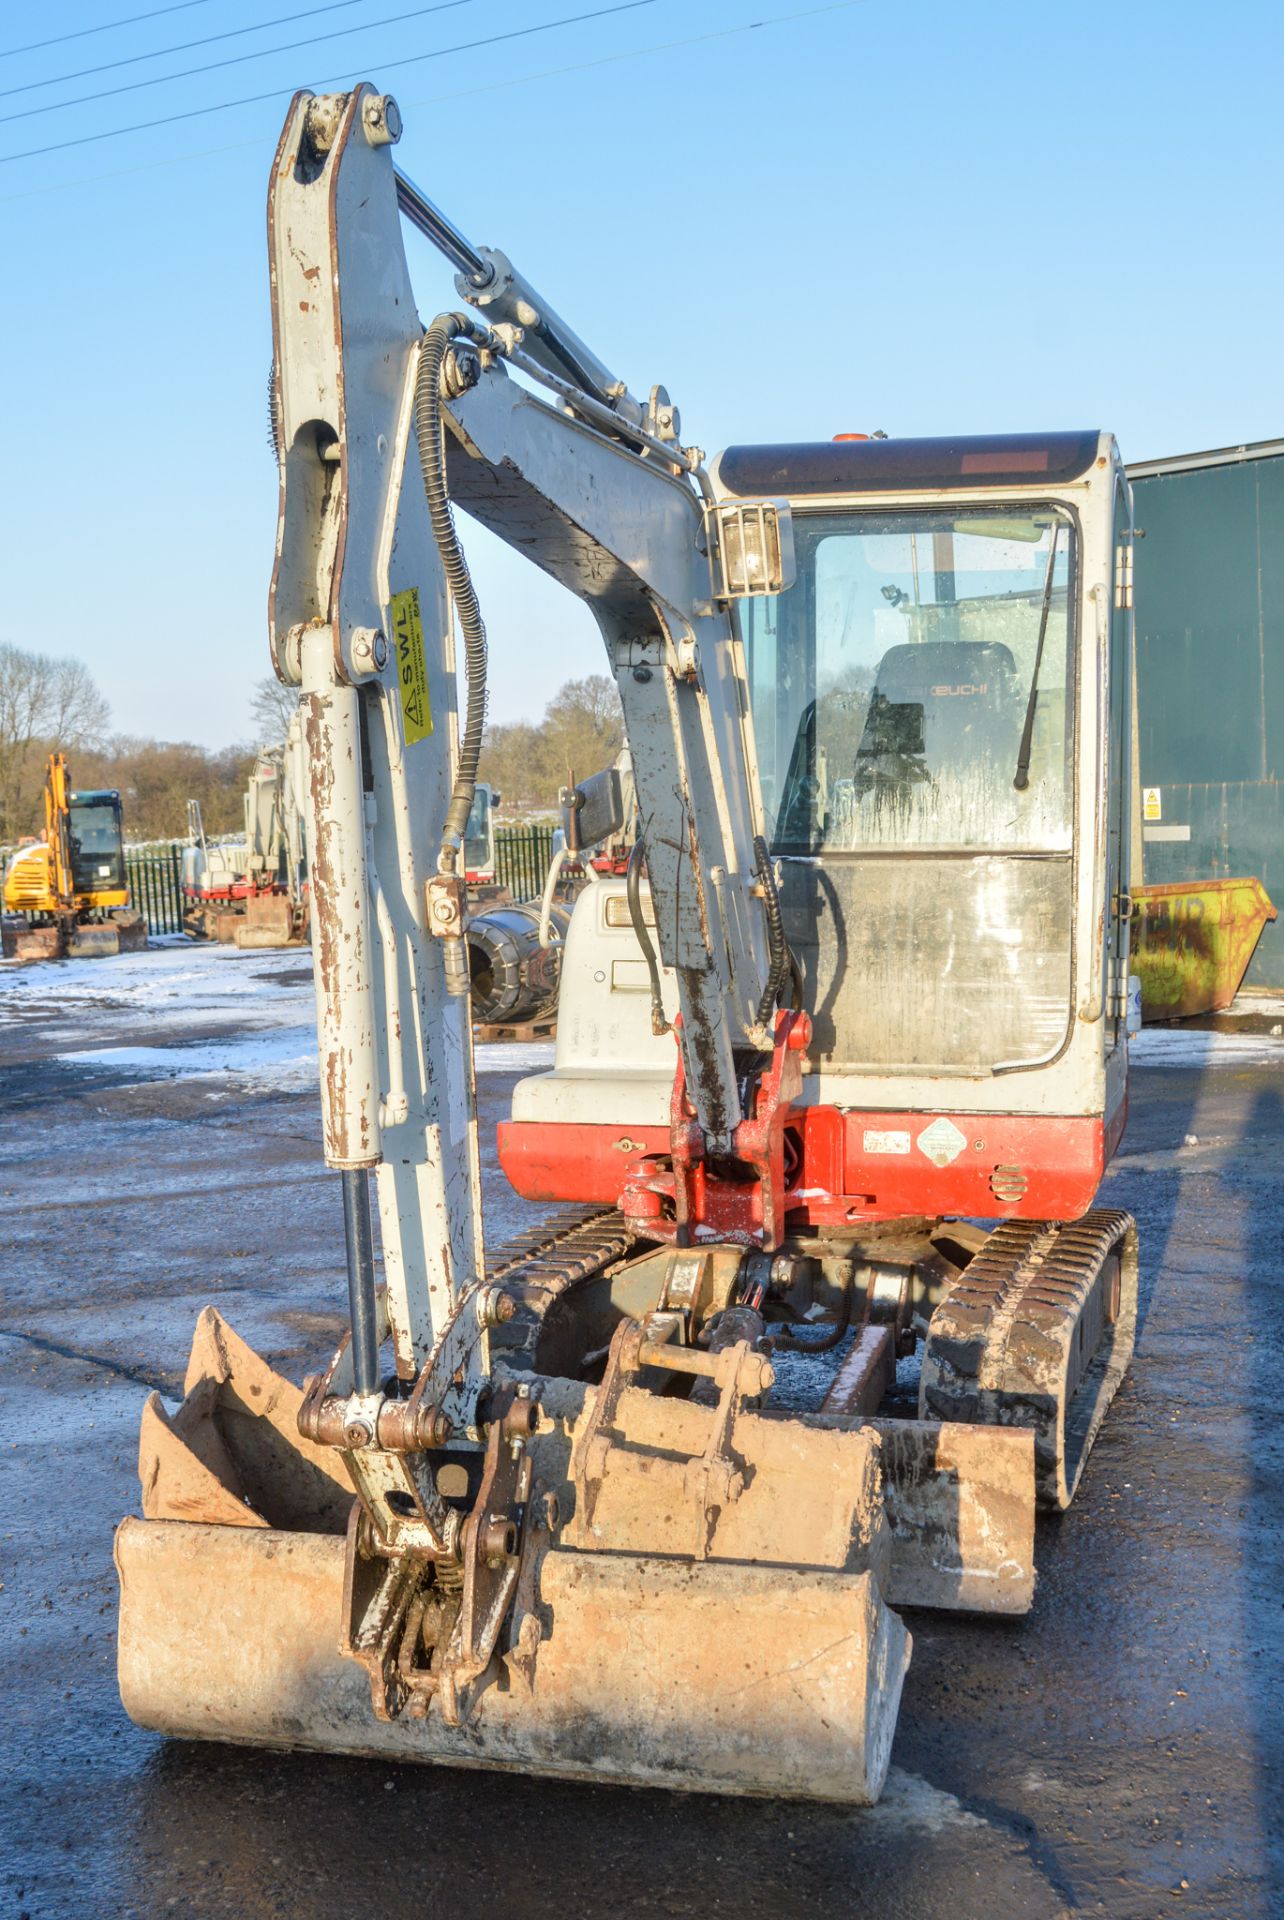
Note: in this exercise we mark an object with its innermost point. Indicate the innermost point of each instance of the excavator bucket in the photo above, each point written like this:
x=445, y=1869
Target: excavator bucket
x=271, y=921
x=699, y=1605
x=38, y=943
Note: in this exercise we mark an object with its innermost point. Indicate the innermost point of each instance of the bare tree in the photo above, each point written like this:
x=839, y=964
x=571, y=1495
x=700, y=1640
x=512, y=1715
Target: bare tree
x=157, y=778
x=271, y=710
x=582, y=731
x=47, y=703
x=583, y=728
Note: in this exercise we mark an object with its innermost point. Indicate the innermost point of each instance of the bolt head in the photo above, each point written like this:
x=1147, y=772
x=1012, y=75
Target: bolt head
x=382, y=117
x=369, y=650
x=357, y=1434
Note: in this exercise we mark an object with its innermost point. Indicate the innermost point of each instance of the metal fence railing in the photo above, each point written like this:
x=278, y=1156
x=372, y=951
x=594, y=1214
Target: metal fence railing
x=522, y=856
x=155, y=873
x=155, y=877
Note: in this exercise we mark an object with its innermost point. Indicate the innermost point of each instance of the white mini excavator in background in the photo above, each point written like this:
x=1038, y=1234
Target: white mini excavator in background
x=567, y=1506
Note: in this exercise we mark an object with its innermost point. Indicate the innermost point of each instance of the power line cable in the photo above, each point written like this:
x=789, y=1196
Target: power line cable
x=233, y=60
x=255, y=99
x=183, y=46
x=104, y=26
x=460, y=93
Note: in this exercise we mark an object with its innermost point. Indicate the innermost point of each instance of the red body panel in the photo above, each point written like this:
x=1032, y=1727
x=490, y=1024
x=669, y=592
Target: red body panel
x=1011, y=1166
x=239, y=890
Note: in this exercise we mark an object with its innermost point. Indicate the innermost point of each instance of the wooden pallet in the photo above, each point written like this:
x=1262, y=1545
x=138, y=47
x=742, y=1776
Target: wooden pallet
x=485, y=1033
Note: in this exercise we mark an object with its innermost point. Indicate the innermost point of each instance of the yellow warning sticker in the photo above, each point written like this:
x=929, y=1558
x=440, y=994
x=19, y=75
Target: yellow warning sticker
x=1152, y=803
x=412, y=672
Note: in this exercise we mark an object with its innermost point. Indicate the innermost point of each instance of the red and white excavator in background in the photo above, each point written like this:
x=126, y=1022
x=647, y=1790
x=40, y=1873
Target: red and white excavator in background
x=253, y=892
x=637, y=1496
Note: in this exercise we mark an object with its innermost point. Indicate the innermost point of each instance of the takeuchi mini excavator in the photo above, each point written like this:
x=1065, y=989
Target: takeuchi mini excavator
x=254, y=892
x=638, y=1496
x=69, y=888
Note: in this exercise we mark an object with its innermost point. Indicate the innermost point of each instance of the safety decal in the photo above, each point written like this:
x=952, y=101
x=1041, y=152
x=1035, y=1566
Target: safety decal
x=412, y=673
x=942, y=1142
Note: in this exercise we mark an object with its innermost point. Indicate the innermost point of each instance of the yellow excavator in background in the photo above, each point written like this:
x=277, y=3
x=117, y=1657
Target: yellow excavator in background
x=70, y=888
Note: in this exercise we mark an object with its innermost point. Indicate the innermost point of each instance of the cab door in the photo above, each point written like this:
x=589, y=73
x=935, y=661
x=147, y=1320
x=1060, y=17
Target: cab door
x=1119, y=772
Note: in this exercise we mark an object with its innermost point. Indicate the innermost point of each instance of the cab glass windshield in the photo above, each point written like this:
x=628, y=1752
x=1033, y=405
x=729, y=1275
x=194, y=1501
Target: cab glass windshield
x=913, y=702
x=93, y=834
x=910, y=689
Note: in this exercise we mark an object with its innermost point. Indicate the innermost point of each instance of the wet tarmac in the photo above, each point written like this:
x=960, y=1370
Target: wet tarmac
x=1119, y=1752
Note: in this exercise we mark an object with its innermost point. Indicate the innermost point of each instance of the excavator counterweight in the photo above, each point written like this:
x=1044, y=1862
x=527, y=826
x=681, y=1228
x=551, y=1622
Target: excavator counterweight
x=637, y=1497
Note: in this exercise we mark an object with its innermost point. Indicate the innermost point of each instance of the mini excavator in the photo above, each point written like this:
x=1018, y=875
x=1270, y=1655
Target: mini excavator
x=69, y=890
x=841, y=1059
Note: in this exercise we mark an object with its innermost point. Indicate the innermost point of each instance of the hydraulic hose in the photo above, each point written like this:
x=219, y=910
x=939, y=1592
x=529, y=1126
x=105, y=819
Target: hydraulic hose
x=789, y=1338
x=633, y=894
x=436, y=343
x=777, y=945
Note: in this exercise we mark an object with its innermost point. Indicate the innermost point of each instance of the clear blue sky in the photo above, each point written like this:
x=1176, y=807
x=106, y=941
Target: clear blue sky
x=921, y=217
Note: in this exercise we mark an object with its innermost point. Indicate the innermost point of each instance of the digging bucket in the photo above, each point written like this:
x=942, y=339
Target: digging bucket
x=777, y=1671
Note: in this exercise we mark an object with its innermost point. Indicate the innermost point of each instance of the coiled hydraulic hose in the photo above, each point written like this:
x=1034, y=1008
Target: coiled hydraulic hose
x=777, y=945
x=436, y=343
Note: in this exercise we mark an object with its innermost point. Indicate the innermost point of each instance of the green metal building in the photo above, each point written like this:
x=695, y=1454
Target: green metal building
x=1209, y=600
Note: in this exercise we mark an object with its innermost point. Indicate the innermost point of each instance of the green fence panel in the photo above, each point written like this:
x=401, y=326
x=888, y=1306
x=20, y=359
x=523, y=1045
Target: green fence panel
x=155, y=876
x=522, y=856
x=155, y=873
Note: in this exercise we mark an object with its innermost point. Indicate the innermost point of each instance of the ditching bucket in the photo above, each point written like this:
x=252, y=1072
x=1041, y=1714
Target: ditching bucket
x=271, y=920
x=744, y=1647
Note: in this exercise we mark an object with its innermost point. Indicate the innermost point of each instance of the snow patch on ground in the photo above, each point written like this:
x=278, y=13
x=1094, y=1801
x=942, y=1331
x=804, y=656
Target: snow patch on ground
x=169, y=971
x=1180, y=1047
x=910, y=1801
x=283, y=1058
x=270, y=1012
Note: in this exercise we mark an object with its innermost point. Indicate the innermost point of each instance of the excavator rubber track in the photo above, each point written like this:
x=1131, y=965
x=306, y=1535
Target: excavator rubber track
x=540, y=1267
x=1037, y=1332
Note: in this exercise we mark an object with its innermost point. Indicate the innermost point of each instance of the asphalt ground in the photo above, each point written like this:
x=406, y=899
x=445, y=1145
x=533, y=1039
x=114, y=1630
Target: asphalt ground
x=1120, y=1751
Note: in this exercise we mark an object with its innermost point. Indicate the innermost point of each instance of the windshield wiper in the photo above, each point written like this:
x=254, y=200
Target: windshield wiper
x=1021, y=778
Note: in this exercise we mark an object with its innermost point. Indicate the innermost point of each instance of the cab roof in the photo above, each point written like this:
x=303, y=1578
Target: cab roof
x=876, y=466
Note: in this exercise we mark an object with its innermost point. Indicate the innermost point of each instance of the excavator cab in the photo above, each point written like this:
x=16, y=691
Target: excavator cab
x=96, y=845
x=940, y=699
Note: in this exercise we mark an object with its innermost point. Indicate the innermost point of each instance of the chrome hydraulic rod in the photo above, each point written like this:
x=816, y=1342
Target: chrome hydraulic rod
x=428, y=219
x=488, y=280
x=359, y=1242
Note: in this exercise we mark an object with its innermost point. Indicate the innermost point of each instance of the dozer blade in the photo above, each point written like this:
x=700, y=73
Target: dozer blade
x=93, y=942
x=743, y=1645
x=131, y=932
